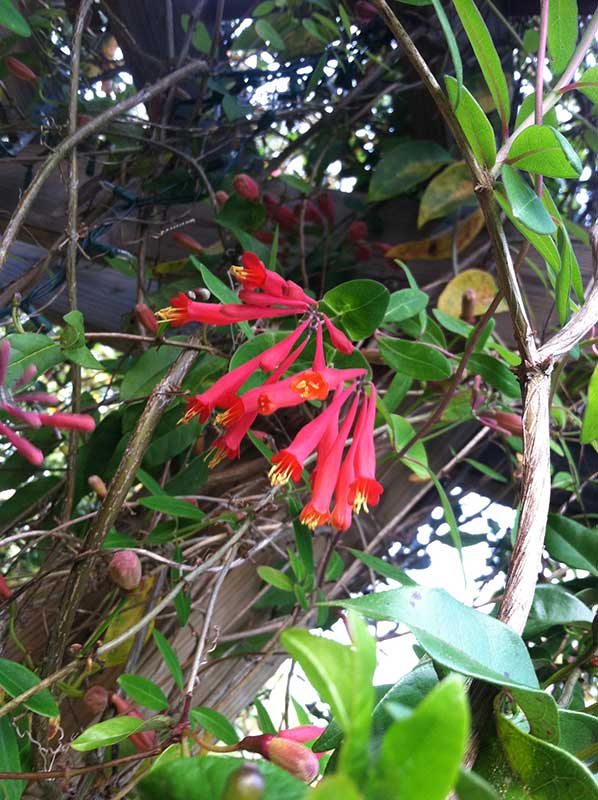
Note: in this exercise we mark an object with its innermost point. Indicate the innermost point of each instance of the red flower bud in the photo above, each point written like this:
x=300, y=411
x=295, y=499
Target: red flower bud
x=146, y=740
x=245, y=783
x=187, y=242
x=97, y=485
x=5, y=590
x=96, y=699
x=125, y=569
x=68, y=422
x=285, y=218
x=324, y=201
x=293, y=757
x=20, y=70
x=312, y=214
x=266, y=237
x=271, y=203
x=358, y=230
x=365, y=12
x=146, y=318
x=221, y=198
x=510, y=422
x=246, y=187
x=363, y=252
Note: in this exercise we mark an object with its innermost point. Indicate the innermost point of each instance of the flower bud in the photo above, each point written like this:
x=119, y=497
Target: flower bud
x=365, y=12
x=187, y=242
x=293, y=757
x=246, y=187
x=5, y=590
x=125, y=569
x=97, y=485
x=326, y=206
x=358, y=230
x=20, y=70
x=221, y=198
x=245, y=783
x=95, y=699
x=271, y=203
x=146, y=740
x=363, y=252
x=510, y=422
x=285, y=218
x=146, y=318
x=312, y=214
x=266, y=237
x=68, y=422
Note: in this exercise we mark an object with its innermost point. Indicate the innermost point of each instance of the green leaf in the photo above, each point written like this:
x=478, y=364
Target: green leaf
x=383, y=568
x=543, y=150
x=404, y=304
x=357, y=306
x=572, y=544
x=470, y=786
x=26, y=497
x=11, y=19
x=215, y=723
x=562, y=33
x=487, y=57
x=476, y=125
x=10, y=761
x=31, y=348
x=544, y=244
x=295, y=182
x=143, y=691
x=16, y=679
x=456, y=636
x=448, y=191
x=220, y=290
x=204, y=778
x=546, y=771
x=421, y=754
x=238, y=212
x=111, y=731
x=170, y=657
x=402, y=432
x=589, y=428
x=335, y=787
x=525, y=203
x=414, y=359
x=452, y=46
x=172, y=506
x=201, y=38
x=145, y=373
x=486, y=470
x=528, y=108
x=449, y=514
x=495, y=373
x=579, y=731
x=269, y=34
x=266, y=724
x=275, y=578
x=72, y=340
x=405, y=167
x=553, y=605
x=588, y=83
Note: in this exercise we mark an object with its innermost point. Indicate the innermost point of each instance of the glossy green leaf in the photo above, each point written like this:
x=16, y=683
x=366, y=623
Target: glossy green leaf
x=572, y=544
x=476, y=125
x=335, y=787
x=172, y=506
x=16, y=679
x=452, y=46
x=528, y=108
x=562, y=33
x=10, y=761
x=579, y=733
x=494, y=372
x=357, y=306
x=405, y=167
x=553, y=605
x=544, y=244
x=275, y=578
x=215, y=723
x=525, y=203
x=31, y=348
x=543, y=150
x=145, y=373
x=456, y=636
x=588, y=83
x=170, y=657
x=264, y=719
x=204, y=778
x=414, y=359
x=421, y=754
x=416, y=458
x=485, y=52
x=470, y=786
x=546, y=771
x=589, y=428
x=111, y=731
x=404, y=304
x=383, y=568
x=143, y=691
x=10, y=18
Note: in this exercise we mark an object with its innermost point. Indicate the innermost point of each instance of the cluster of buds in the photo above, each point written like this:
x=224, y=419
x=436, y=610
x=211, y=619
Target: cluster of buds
x=343, y=480
x=12, y=399
x=287, y=749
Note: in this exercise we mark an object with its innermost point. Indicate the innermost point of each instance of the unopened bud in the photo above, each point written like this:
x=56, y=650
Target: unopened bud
x=363, y=252
x=512, y=423
x=266, y=237
x=286, y=218
x=95, y=699
x=271, y=203
x=358, y=230
x=144, y=741
x=125, y=569
x=146, y=318
x=293, y=757
x=5, y=590
x=313, y=215
x=326, y=206
x=468, y=306
x=246, y=187
x=187, y=242
x=365, y=12
x=20, y=70
x=97, y=485
x=245, y=783
x=221, y=198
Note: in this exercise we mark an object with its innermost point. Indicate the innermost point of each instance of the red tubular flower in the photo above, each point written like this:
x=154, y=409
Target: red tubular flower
x=263, y=299
x=5, y=590
x=503, y=422
x=254, y=275
x=338, y=338
x=342, y=514
x=184, y=310
x=229, y=445
x=144, y=741
x=288, y=463
x=302, y=734
x=317, y=511
x=68, y=422
x=358, y=230
x=365, y=490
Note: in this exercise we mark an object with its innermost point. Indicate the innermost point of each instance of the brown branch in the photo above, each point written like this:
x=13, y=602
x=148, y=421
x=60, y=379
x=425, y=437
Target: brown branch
x=75, y=771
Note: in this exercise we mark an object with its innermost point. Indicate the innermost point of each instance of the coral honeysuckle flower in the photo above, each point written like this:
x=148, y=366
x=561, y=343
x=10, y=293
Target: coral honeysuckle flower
x=365, y=490
x=254, y=275
x=288, y=463
x=10, y=404
x=338, y=338
x=342, y=513
x=183, y=310
x=229, y=445
x=317, y=511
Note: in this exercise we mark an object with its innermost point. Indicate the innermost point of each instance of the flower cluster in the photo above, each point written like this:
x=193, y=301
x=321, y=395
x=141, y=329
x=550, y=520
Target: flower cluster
x=13, y=397
x=343, y=480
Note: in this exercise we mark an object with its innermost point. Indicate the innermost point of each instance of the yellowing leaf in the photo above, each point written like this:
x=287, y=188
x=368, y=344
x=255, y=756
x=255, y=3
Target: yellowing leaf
x=483, y=285
x=445, y=193
x=438, y=248
x=131, y=612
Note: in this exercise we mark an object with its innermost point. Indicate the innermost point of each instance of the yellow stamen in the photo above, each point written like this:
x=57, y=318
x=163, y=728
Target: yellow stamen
x=214, y=456
x=169, y=314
